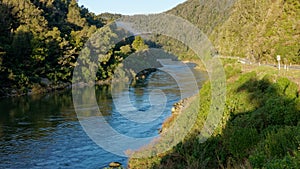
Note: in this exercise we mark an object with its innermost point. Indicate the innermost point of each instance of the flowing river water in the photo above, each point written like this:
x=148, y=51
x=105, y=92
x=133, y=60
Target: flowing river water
x=43, y=131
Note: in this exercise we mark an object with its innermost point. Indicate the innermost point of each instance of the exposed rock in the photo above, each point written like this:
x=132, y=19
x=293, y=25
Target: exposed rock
x=115, y=164
x=173, y=109
x=14, y=92
x=176, y=110
x=29, y=92
x=45, y=82
x=177, y=107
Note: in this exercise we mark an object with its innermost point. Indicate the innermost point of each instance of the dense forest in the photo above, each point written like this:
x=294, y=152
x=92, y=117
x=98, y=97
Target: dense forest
x=40, y=41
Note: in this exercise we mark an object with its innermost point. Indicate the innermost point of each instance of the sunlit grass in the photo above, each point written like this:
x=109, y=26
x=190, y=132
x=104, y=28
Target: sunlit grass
x=260, y=125
x=292, y=74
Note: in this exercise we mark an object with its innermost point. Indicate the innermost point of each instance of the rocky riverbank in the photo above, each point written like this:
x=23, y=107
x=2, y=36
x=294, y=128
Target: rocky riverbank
x=176, y=110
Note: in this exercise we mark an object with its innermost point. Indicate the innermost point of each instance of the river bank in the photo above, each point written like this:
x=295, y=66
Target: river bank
x=176, y=110
x=259, y=127
x=38, y=88
x=46, y=86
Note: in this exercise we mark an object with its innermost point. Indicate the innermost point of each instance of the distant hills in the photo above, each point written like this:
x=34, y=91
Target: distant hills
x=257, y=30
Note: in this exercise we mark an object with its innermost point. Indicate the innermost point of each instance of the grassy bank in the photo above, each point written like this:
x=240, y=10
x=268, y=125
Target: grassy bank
x=260, y=127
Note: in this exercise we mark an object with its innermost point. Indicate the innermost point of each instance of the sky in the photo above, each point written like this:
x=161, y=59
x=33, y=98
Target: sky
x=129, y=7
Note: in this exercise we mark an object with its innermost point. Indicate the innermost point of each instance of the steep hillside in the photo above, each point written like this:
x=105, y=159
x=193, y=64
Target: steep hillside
x=205, y=14
x=258, y=30
x=40, y=41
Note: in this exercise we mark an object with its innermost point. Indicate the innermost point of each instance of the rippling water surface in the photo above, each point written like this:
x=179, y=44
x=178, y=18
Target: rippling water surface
x=43, y=131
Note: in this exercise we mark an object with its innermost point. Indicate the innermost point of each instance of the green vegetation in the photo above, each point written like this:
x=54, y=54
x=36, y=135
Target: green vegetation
x=260, y=30
x=40, y=42
x=41, y=39
x=260, y=127
x=257, y=30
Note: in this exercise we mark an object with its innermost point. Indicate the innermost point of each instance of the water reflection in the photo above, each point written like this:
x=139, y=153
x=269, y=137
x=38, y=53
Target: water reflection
x=42, y=131
x=35, y=112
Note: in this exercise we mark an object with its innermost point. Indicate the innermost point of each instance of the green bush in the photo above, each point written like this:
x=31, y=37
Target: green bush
x=279, y=143
x=290, y=162
x=240, y=141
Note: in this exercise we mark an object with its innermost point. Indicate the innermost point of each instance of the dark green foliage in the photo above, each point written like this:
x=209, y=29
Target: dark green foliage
x=278, y=149
x=261, y=30
x=43, y=39
x=31, y=47
x=240, y=140
x=108, y=17
x=204, y=14
x=174, y=46
x=74, y=16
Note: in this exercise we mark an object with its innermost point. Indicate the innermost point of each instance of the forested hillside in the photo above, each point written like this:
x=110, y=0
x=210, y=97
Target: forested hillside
x=257, y=30
x=40, y=41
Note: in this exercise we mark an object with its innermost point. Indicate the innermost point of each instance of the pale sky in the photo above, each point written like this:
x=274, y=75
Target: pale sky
x=129, y=7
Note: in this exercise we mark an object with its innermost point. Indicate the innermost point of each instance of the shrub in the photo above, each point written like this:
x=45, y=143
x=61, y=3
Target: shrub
x=240, y=141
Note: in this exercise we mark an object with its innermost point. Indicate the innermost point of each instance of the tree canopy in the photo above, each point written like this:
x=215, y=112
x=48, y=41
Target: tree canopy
x=43, y=38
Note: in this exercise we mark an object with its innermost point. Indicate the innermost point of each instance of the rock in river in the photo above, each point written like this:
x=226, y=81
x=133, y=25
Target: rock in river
x=115, y=164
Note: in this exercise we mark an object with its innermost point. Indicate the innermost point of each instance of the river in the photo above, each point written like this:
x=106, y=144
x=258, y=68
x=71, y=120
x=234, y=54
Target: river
x=42, y=131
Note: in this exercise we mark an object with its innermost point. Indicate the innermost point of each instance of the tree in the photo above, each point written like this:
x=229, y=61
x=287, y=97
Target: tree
x=21, y=45
x=74, y=16
x=139, y=44
x=125, y=49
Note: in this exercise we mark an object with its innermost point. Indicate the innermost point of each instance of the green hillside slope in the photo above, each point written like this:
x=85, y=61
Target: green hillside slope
x=259, y=128
x=258, y=30
x=40, y=41
x=260, y=124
